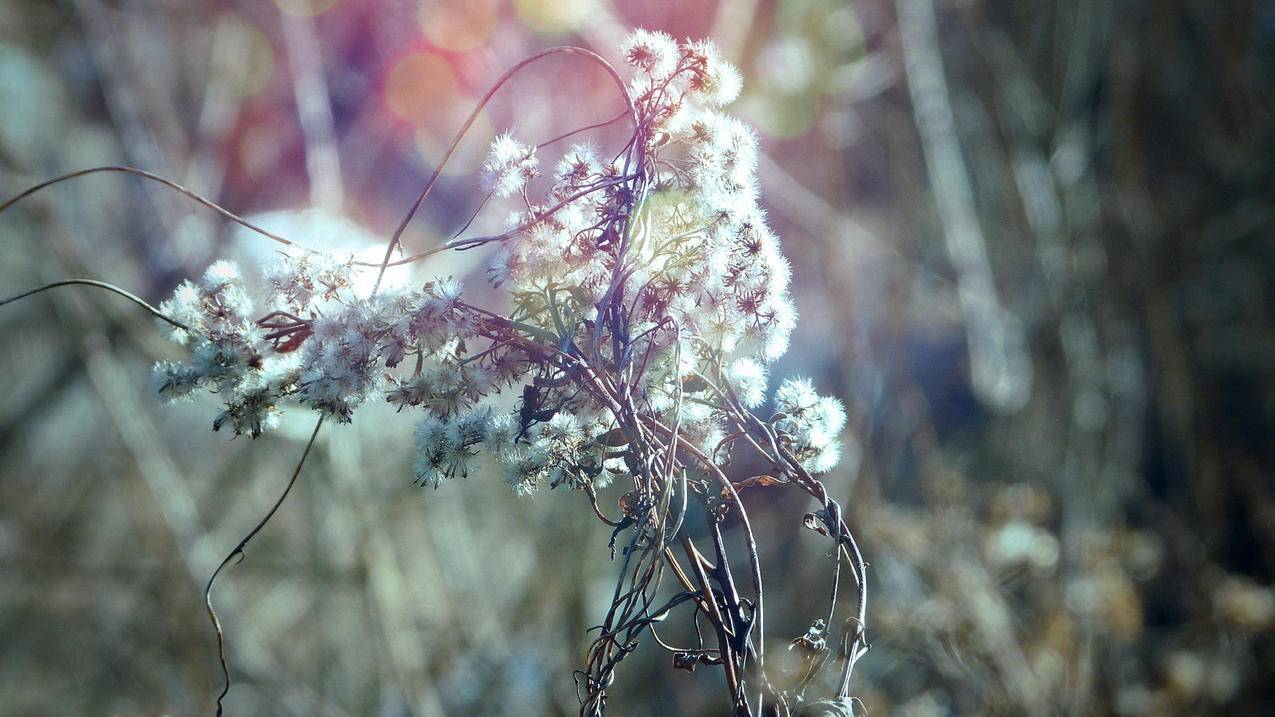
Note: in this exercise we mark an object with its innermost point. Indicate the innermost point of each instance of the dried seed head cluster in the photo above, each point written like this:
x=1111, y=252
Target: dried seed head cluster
x=684, y=252
x=647, y=298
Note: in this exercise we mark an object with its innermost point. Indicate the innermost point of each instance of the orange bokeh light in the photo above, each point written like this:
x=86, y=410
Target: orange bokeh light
x=419, y=85
x=422, y=89
x=458, y=25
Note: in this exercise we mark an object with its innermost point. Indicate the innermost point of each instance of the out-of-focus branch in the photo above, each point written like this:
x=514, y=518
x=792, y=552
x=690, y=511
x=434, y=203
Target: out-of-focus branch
x=1000, y=367
x=322, y=162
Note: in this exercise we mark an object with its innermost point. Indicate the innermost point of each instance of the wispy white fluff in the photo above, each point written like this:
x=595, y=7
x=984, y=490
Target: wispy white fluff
x=510, y=165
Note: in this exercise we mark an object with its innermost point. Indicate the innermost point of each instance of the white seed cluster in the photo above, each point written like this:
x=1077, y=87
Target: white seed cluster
x=653, y=273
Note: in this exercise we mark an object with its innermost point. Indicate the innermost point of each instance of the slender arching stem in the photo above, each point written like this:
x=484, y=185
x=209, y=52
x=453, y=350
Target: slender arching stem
x=572, y=133
x=100, y=285
x=167, y=183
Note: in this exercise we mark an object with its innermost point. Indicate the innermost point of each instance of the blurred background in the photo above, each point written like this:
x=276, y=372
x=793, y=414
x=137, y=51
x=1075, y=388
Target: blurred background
x=1033, y=254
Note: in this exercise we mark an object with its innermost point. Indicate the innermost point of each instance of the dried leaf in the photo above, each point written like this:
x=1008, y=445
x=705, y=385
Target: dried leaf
x=812, y=521
x=757, y=481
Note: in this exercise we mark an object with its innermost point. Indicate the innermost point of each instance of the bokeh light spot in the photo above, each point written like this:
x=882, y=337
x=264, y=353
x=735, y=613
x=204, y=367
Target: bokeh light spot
x=419, y=86
x=786, y=65
x=554, y=17
x=781, y=116
x=842, y=31
x=253, y=56
x=422, y=90
x=305, y=8
x=458, y=25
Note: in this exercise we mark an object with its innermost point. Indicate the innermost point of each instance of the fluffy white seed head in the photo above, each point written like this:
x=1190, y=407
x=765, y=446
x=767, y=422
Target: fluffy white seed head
x=510, y=165
x=749, y=379
x=652, y=52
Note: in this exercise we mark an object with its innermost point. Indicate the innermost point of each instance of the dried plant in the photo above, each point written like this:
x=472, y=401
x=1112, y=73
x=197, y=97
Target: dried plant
x=646, y=300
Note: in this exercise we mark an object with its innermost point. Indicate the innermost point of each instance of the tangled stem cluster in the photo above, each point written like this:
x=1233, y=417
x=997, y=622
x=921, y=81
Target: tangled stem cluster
x=647, y=298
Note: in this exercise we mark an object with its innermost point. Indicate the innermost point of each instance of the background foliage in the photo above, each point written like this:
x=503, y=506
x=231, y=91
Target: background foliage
x=1032, y=248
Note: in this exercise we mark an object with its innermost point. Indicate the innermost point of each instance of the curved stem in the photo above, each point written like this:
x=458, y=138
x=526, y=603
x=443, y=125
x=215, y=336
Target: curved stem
x=239, y=552
x=579, y=130
x=167, y=183
x=101, y=285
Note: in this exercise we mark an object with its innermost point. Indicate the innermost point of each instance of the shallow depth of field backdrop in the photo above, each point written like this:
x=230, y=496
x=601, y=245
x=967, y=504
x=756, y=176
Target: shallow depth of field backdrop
x=1033, y=253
